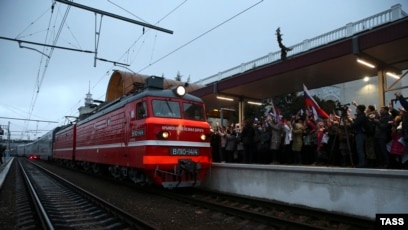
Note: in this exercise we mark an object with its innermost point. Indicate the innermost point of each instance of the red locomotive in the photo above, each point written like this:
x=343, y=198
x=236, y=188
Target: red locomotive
x=152, y=135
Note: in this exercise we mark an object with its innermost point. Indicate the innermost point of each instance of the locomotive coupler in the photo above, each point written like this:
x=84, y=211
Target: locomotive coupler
x=188, y=165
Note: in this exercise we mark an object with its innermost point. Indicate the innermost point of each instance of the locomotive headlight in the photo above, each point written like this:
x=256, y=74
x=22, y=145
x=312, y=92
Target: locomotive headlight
x=165, y=135
x=203, y=137
x=180, y=91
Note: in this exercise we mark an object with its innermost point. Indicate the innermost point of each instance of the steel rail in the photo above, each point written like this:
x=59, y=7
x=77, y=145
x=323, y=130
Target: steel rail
x=130, y=220
x=42, y=214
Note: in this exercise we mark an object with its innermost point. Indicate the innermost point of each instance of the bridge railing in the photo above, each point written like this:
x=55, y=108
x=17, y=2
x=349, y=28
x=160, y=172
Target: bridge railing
x=394, y=13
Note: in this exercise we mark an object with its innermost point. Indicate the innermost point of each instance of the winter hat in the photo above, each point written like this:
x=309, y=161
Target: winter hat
x=361, y=108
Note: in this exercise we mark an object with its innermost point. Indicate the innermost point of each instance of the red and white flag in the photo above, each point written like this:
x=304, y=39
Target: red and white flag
x=313, y=106
x=275, y=113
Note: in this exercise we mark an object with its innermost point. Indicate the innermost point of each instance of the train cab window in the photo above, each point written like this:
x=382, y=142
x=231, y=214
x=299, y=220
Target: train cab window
x=165, y=108
x=193, y=111
x=141, y=110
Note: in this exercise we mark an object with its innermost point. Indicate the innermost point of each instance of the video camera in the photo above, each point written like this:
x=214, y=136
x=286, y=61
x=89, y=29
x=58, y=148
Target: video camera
x=341, y=109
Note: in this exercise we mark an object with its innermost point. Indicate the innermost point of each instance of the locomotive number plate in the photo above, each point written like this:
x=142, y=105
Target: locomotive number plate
x=184, y=151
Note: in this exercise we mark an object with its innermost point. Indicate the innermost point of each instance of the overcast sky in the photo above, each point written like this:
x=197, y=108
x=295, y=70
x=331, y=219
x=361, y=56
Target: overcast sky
x=209, y=37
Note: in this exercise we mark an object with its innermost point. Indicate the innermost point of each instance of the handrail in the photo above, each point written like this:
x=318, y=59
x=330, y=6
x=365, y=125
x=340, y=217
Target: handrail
x=394, y=13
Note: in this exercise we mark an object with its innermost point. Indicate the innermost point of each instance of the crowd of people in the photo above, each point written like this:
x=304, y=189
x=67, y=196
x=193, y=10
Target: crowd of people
x=370, y=138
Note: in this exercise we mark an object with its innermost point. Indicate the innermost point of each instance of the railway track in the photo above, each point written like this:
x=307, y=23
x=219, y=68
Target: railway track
x=59, y=204
x=272, y=214
x=258, y=214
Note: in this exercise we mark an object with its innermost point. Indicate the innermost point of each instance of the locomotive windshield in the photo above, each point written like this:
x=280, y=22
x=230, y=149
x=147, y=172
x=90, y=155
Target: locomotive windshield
x=193, y=111
x=171, y=109
x=162, y=108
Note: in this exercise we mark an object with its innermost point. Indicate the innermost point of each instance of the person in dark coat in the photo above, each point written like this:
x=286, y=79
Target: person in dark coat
x=275, y=142
x=2, y=150
x=216, y=145
x=297, y=140
x=230, y=145
x=382, y=136
x=248, y=136
x=358, y=125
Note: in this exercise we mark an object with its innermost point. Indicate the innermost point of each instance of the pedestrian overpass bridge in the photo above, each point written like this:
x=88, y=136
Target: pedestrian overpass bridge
x=328, y=59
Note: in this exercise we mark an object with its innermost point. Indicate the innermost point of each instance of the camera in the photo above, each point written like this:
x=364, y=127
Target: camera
x=341, y=109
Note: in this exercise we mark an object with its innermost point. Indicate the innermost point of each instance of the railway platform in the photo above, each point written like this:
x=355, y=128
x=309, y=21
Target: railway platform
x=4, y=168
x=351, y=191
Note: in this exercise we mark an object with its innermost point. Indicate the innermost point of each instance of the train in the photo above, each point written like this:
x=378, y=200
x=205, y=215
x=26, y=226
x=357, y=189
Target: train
x=151, y=135
x=38, y=149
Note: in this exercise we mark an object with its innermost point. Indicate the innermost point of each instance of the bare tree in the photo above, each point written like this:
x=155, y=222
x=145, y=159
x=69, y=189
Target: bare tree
x=178, y=76
x=284, y=49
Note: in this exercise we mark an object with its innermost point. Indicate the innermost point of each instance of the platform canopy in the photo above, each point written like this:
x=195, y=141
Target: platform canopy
x=386, y=46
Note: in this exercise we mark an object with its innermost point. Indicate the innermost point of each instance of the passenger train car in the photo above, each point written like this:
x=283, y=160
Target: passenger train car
x=154, y=135
x=38, y=149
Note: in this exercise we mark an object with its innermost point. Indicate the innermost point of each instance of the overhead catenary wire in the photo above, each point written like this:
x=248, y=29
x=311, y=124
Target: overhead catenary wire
x=55, y=42
x=46, y=52
x=24, y=119
x=160, y=20
x=199, y=36
x=122, y=8
x=73, y=36
x=144, y=32
x=184, y=45
x=155, y=36
x=114, y=16
x=30, y=25
x=39, y=80
x=37, y=85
